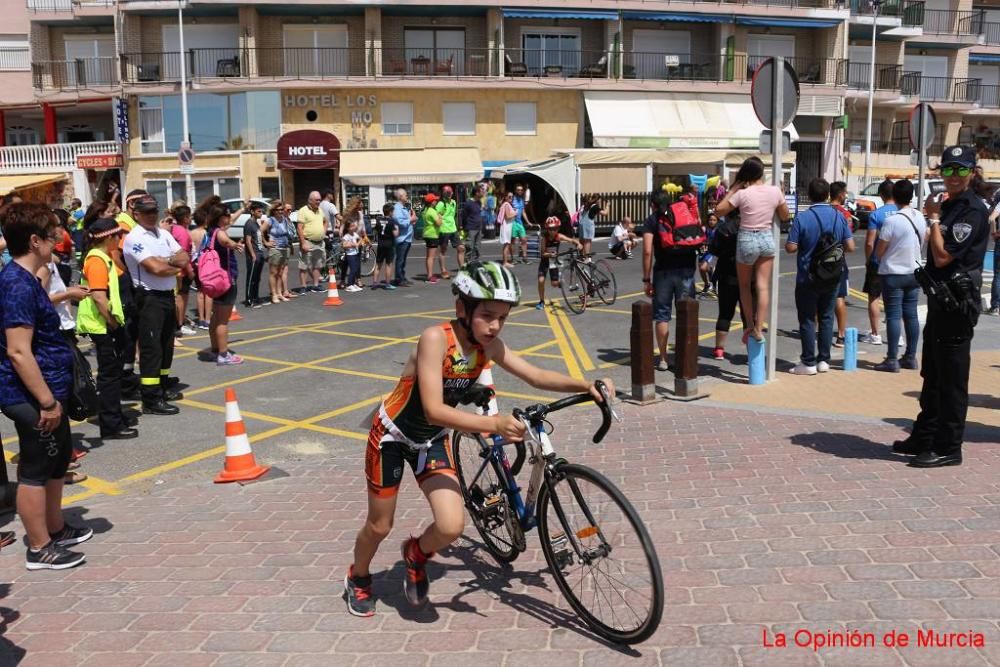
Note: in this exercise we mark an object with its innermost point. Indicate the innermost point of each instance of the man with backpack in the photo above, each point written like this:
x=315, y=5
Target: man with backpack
x=675, y=236
x=820, y=237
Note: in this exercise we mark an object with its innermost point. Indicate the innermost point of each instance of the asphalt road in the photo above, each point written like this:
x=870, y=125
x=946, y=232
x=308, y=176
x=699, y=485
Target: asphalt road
x=314, y=374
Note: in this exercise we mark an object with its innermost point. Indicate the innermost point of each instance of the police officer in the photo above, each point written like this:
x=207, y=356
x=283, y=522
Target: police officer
x=959, y=233
x=154, y=260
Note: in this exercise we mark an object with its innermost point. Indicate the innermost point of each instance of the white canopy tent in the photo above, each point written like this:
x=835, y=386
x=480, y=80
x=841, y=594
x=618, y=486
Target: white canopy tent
x=559, y=172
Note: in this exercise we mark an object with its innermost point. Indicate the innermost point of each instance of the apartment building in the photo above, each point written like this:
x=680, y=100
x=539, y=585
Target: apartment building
x=945, y=52
x=284, y=98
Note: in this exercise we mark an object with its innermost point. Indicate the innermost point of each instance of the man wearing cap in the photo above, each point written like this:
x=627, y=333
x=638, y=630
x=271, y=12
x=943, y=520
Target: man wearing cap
x=126, y=221
x=959, y=234
x=448, y=210
x=432, y=233
x=154, y=260
x=102, y=317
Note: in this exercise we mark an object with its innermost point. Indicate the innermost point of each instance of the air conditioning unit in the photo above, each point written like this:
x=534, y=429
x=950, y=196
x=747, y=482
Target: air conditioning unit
x=149, y=72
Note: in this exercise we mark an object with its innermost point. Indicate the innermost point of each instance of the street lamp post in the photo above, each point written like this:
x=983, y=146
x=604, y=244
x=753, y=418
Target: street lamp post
x=875, y=5
x=188, y=179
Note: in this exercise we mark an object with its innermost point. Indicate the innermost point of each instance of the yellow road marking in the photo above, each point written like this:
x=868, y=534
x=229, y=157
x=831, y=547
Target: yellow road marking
x=536, y=348
x=508, y=323
x=351, y=334
x=572, y=367
x=574, y=339
x=543, y=355
x=353, y=435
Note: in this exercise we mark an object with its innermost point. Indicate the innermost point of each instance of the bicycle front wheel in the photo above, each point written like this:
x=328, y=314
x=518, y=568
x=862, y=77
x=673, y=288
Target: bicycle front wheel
x=367, y=260
x=605, y=285
x=600, y=554
x=574, y=287
x=486, y=498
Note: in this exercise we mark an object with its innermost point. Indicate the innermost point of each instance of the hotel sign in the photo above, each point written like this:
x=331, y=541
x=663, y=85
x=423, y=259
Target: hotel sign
x=308, y=149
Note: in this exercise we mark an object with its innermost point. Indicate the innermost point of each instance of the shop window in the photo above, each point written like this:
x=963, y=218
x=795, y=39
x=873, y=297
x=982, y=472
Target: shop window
x=459, y=117
x=521, y=118
x=217, y=122
x=168, y=192
x=397, y=118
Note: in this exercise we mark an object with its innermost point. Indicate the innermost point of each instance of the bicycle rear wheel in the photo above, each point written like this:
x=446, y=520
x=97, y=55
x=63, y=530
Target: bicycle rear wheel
x=614, y=583
x=574, y=287
x=486, y=498
x=367, y=253
x=605, y=285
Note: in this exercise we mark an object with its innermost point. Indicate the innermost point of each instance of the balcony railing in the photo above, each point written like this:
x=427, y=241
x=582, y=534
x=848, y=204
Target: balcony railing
x=75, y=74
x=887, y=77
x=911, y=12
x=940, y=88
x=15, y=59
x=989, y=96
x=991, y=33
x=475, y=62
x=721, y=68
x=899, y=141
x=949, y=22
x=27, y=159
x=65, y=5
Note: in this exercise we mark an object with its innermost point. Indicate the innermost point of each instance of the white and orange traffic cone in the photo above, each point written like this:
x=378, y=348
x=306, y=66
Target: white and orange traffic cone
x=235, y=316
x=240, y=464
x=332, y=293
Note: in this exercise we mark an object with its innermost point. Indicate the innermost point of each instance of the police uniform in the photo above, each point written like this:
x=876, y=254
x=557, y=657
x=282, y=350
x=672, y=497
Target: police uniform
x=157, y=320
x=944, y=399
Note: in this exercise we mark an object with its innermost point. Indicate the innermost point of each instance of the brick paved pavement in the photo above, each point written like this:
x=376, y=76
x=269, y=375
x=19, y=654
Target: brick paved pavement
x=762, y=522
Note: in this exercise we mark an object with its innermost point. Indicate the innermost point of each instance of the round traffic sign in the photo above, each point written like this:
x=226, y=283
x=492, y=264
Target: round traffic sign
x=762, y=94
x=923, y=125
x=185, y=155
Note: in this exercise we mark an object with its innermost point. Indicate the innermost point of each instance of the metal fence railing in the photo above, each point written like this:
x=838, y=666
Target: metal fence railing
x=940, y=88
x=15, y=59
x=951, y=22
x=75, y=74
x=887, y=77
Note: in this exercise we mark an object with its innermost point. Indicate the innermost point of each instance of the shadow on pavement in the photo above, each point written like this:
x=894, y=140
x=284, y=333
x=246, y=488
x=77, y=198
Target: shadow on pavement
x=847, y=446
x=974, y=431
x=10, y=653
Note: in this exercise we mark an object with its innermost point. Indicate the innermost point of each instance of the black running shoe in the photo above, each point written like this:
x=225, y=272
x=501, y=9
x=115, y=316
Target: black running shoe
x=415, y=584
x=358, y=591
x=70, y=535
x=51, y=557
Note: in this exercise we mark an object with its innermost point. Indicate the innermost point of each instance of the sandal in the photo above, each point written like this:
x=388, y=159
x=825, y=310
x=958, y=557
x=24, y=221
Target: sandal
x=73, y=465
x=7, y=538
x=74, y=477
x=446, y=275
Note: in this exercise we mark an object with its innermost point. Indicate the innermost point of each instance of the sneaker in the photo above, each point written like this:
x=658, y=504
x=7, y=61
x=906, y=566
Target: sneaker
x=909, y=363
x=838, y=341
x=993, y=311
x=256, y=305
x=203, y=325
x=51, y=557
x=662, y=365
x=888, y=366
x=822, y=367
x=358, y=591
x=388, y=286
x=415, y=585
x=719, y=353
x=228, y=359
x=870, y=339
x=802, y=369
x=540, y=306
x=376, y=286
x=432, y=280
x=187, y=330
x=71, y=535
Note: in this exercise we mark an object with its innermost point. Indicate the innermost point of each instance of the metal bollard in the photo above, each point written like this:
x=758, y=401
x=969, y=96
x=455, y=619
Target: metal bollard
x=851, y=349
x=757, y=360
x=686, y=351
x=641, y=336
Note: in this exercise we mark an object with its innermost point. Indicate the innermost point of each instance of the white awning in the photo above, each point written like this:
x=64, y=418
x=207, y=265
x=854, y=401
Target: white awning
x=673, y=120
x=411, y=166
x=558, y=172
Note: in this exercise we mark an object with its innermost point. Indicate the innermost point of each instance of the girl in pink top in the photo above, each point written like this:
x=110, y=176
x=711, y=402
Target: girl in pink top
x=505, y=219
x=757, y=204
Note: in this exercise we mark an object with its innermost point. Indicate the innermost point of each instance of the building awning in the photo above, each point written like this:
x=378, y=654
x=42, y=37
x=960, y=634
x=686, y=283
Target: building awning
x=592, y=14
x=611, y=157
x=678, y=17
x=673, y=120
x=9, y=184
x=988, y=58
x=411, y=166
x=776, y=22
x=559, y=172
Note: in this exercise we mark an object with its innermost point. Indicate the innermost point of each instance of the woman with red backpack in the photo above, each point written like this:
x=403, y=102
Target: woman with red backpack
x=216, y=263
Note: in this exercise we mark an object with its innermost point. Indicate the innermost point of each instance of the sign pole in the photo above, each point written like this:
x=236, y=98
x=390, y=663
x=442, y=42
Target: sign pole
x=921, y=156
x=777, y=155
x=188, y=180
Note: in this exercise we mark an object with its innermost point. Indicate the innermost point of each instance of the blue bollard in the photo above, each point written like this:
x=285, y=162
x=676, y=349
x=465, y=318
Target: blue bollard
x=851, y=349
x=756, y=360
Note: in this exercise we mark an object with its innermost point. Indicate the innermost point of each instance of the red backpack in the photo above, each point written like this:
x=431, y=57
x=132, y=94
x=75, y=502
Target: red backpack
x=679, y=229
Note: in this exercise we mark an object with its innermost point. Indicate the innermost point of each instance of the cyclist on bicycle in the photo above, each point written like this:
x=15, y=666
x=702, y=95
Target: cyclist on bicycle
x=551, y=238
x=413, y=422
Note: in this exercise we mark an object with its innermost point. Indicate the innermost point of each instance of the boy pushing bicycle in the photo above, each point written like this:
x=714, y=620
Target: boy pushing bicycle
x=412, y=425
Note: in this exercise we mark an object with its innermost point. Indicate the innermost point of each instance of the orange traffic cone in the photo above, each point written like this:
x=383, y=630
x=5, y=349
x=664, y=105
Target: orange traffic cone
x=235, y=316
x=332, y=294
x=240, y=463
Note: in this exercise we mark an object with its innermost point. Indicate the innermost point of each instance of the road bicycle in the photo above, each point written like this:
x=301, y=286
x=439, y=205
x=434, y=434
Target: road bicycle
x=336, y=257
x=582, y=280
x=596, y=545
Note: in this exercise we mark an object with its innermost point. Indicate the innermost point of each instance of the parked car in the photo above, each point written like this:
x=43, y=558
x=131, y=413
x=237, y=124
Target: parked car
x=235, y=231
x=869, y=200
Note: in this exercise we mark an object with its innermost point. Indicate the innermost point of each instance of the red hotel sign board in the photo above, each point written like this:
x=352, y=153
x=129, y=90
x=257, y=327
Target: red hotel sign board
x=108, y=161
x=308, y=149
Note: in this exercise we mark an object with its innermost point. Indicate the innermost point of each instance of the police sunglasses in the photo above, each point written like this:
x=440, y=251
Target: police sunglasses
x=956, y=171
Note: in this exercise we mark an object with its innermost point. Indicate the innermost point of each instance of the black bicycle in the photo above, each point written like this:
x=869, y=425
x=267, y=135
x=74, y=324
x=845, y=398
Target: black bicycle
x=582, y=278
x=594, y=541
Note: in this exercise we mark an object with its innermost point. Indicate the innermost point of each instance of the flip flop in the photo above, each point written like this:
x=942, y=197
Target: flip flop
x=7, y=538
x=74, y=477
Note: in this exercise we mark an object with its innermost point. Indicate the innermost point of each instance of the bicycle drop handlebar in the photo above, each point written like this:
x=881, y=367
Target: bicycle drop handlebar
x=539, y=411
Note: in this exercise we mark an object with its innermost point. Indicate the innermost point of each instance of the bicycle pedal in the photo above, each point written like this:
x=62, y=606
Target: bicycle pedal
x=492, y=500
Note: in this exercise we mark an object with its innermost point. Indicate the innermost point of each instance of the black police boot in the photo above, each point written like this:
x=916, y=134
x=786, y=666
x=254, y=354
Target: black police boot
x=932, y=460
x=158, y=406
x=169, y=382
x=172, y=395
x=907, y=446
x=124, y=433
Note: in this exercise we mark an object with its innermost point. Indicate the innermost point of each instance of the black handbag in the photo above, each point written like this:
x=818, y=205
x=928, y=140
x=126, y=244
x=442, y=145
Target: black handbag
x=83, y=399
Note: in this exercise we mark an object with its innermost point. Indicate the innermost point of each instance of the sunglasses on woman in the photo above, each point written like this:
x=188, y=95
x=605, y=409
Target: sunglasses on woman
x=956, y=171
